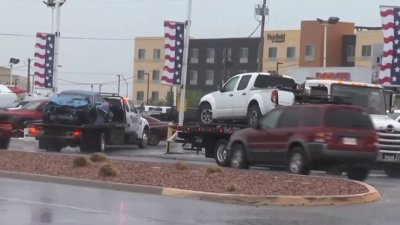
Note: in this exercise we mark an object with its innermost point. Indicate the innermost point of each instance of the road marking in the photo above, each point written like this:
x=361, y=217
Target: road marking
x=55, y=205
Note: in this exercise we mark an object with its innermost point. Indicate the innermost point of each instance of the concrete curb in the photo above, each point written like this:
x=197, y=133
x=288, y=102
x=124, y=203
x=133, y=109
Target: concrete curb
x=370, y=196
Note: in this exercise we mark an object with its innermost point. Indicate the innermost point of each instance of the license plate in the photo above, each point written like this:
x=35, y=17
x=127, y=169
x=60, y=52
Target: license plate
x=389, y=157
x=349, y=141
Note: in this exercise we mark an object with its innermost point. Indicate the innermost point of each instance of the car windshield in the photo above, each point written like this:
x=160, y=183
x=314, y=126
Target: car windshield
x=394, y=115
x=31, y=105
x=371, y=98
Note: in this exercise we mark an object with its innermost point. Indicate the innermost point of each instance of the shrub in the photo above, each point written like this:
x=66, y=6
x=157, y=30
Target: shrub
x=108, y=171
x=213, y=169
x=82, y=161
x=98, y=157
x=181, y=166
x=231, y=187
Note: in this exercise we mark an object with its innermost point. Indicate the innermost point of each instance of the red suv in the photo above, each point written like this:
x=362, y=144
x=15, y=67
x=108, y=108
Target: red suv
x=309, y=136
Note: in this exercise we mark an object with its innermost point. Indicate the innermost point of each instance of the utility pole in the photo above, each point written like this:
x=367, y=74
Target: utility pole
x=119, y=82
x=100, y=85
x=261, y=11
x=28, y=84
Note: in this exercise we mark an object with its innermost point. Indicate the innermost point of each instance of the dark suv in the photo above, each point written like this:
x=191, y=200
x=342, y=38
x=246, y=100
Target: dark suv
x=309, y=136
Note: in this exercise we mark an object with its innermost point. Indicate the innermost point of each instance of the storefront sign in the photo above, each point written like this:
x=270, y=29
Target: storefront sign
x=276, y=37
x=345, y=76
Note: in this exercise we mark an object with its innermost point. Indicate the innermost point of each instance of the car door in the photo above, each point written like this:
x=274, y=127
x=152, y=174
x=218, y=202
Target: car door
x=132, y=117
x=239, y=105
x=224, y=98
x=261, y=141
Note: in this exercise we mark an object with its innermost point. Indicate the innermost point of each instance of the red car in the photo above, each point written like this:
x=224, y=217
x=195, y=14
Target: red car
x=158, y=130
x=32, y=110
x=309, y=136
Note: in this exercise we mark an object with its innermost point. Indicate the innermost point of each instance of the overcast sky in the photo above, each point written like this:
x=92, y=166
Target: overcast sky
x=95, y=61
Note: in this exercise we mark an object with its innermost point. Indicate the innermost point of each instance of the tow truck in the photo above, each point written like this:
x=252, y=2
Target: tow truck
x=128, y=128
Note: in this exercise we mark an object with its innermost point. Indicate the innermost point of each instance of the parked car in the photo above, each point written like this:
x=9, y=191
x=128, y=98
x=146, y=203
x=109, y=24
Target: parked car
x=303, y=137
x=6, y=96
x=32, y=110
x=14, y=105
x=247, y=96
x=5, y=132
x=158, y=130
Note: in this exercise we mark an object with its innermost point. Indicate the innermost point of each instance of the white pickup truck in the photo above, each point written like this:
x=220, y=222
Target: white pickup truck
x=247, y=96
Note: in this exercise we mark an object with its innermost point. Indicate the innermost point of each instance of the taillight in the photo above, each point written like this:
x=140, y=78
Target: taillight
x=76, y=133
x=274, y=96
x=34, y=131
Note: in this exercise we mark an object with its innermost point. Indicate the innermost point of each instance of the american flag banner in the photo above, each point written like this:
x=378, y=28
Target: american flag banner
x=389, y=72
x=44, y=61
x=174, y=41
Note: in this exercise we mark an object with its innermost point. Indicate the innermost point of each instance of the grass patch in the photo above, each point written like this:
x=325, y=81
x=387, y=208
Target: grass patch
x=213, y=169
x=98, y=157
x=181, y=165
x=231, y=187
x=108, y=171
x=82, y=161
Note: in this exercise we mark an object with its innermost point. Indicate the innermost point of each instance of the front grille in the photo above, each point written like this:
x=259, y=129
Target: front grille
x=389, y=141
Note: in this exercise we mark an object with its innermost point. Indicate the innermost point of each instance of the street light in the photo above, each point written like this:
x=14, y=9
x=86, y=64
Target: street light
x=325, y=23
x=263, y=11
x=119, y=82
x=148, y=87
x=12, y=62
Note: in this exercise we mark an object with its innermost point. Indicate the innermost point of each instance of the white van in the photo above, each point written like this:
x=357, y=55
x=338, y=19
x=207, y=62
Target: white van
x=6, y=96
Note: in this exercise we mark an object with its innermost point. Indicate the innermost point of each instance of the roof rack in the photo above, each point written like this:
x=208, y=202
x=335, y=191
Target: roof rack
x=323, y=99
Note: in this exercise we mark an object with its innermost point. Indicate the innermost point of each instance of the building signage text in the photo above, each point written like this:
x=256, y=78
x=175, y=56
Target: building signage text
x=276, y=37
x=345, y=76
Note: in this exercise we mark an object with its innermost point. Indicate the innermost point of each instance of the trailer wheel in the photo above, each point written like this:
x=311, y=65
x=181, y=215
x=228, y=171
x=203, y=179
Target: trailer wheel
x=253, y=115
x=205, y=113
x=143, y=141
x=154, y=138
x=221, y=153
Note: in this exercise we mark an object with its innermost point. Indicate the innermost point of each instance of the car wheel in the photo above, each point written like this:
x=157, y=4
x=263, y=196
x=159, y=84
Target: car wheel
x=144, y=141
x=4, y=143
x=357, y=173
x=221, y=153
x=205, y=113
x=297, y=162
x=154, y=138
x=392, y=170
x=238, y=159
x=253, y=115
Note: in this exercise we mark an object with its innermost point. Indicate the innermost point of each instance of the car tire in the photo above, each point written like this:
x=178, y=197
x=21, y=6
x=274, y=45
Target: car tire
x=392, y=170
x=5, y=143
x=154, y=138
x=298, y=162
x=205, y=113
x=253, y=115
x=144, y=140
x=238, y=158
x=357, y=173
x=221, y=153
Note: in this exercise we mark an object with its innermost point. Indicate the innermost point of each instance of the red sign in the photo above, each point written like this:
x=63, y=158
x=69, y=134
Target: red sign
x=345, y=76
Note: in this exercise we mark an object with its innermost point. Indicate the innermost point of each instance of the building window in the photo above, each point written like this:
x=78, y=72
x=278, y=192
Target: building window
x=140, y=74
x=142, y=54
x=350, y=53
x=154, y=96
x=272, y=53
x=291, y=53
x=366, y=51
x=140, y=95
x=194, y=55
x=227, y=55
x=243, y=55
x=209, y=77
x=156, y=75
x=193, y=75
x=210, y=55
x=310, y=52
x=156, y=54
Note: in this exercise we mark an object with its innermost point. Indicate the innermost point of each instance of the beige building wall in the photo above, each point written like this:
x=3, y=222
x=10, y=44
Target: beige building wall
x=148, y=64
x=281, y=40
x=373, y=38
x=5, y=78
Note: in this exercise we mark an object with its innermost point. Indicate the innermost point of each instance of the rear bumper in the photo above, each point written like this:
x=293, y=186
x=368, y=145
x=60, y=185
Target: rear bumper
x=385, y=156
x=320, y=152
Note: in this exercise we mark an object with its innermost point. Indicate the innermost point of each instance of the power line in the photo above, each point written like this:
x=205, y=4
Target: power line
x=70, y=37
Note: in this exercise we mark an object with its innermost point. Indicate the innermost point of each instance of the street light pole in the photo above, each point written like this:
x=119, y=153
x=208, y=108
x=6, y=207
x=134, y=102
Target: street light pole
x=277, y=67
x=325, y=37
x=119, y=82
x=331, y=20
x=261, y=10
x=12, y=62
x=148, y=88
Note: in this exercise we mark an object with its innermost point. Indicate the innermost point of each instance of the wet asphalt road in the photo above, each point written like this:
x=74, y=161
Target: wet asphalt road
x=25, y=202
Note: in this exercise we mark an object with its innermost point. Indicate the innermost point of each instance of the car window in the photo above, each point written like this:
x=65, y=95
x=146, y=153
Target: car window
x=267, y=81
x=312, y=117
x=271, y=119
x=31, y=105
x=290, y=118
x=244, y=82
x=393, y=115
x=348, y=118
x=230, y=85
x=132, y=106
